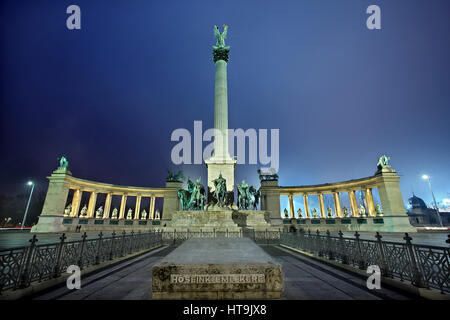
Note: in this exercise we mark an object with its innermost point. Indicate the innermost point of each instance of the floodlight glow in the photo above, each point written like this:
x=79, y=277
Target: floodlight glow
x=425, y=177
x=30, y=183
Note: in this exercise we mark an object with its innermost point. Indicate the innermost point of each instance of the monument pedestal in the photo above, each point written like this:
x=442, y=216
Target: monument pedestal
x=252, y=219
x=220, y=220
x=49, y=224
x=217, y=268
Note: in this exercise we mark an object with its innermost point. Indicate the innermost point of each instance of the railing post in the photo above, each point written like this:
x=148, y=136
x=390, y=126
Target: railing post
x=302, y=240
x=80, y=257
x=227, y=232
x=384, y=265
x=201, y=233
x=309, y=242
x=344, y=256
x=416, y=276
x=330, y=249
x=174, y=231
x=56, y=271
x=361, y=263
x=319, y=244
x=122, y=248
x=99, y=248
x=132, y=242
x=214, y=232
x=111, y=250
x=25, y=274
x=267, y=238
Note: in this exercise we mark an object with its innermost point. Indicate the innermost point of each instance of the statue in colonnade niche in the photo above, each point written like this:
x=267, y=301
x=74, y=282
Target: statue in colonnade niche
x=130, y=214
x=68, y=210
x=378, y=210
x=383, y=162
x=144, y=215
x=299, y=213
x=157, y=215
x=362, y=211
x=329, y=212
x=345, y=210
x=114, y=213
x=99, y=212
x=314, y=213
x=83, y=212
x=286, y=213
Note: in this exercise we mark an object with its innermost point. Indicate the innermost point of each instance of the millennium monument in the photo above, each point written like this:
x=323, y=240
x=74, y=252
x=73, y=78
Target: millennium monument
x=212, y=207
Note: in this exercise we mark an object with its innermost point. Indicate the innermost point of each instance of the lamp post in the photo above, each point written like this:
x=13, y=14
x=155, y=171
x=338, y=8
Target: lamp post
x=426, y=177
x=30, y=183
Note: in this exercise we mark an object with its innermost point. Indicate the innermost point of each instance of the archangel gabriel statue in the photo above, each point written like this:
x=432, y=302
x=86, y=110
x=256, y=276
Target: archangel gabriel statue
x=220, y=36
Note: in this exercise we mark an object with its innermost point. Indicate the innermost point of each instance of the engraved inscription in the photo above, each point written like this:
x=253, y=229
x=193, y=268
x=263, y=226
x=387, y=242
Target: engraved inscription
x=217, y=278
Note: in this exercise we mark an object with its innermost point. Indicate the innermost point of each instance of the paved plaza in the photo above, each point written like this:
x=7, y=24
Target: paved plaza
x=304, y=279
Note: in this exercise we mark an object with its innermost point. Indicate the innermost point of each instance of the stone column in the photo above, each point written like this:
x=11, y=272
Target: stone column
x=321, y=205
x=291, y=206
x=305, y=202
x=394, y=212
x=52, y=213
x=270, y=197
x=137, y=208
x=107, y=208
x=123, y=205
x=353, y=204
x=151, y=212
x=171, y=201
x=76, y=201
x=337, y=205
x=91, y=205
x=369, y=200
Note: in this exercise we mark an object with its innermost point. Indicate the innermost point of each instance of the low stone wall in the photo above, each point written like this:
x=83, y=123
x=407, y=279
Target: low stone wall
x=69, y=224
x=373, y=224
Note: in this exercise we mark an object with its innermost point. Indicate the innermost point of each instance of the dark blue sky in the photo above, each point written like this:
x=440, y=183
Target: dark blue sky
x=109, y=95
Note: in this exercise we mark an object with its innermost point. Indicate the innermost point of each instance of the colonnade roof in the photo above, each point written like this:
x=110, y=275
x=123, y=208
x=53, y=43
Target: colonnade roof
x=101, y=187
x=342, y=186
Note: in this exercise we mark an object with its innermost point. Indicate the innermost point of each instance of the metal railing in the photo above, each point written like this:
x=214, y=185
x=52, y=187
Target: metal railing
x=425, y=266
x=21, y=266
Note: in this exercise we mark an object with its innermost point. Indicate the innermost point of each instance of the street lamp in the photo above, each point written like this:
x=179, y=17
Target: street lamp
x=30, y=183
x=426, y=177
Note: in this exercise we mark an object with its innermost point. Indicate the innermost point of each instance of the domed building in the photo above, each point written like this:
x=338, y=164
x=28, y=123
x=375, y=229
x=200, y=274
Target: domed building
x=422, y=216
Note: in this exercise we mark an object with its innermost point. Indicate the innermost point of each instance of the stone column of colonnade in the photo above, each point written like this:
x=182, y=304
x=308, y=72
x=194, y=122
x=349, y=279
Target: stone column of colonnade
x=76, y=201
x=321, y=205
x=369, y=200
x=123, y=206
x=91, y=205
x=353, y=204
x=107, y=208
x=291, y=206
x=337, y=205
x=137, y=208
x=305, y=202
x=152, y=207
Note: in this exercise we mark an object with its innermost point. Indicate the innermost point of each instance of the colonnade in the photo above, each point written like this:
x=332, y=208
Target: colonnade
x=92, y=205
x=338, y=211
